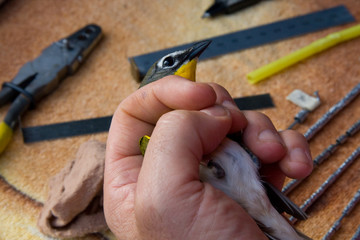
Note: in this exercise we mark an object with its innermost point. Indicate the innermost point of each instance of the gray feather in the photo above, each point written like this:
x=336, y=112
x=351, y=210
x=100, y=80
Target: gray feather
x=282, y=203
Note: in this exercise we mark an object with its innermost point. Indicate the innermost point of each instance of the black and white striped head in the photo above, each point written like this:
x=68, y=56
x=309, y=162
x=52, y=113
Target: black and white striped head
x=181, y=63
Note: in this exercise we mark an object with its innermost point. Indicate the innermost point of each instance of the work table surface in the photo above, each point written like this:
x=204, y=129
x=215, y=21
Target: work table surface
x=136, y=27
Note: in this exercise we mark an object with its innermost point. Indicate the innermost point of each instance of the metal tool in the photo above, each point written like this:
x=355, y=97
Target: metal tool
x=301, y=116
x=347, y=210
x=325, y=154
x=227, y=7
x=356, y=235
x=332, y=112
x=40, y=77
x=354, y=155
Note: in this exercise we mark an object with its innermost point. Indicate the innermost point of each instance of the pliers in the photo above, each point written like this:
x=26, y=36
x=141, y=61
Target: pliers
x=40, y=77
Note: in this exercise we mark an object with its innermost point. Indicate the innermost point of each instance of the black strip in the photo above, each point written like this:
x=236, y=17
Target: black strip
x=254, y=102
x=66, y=129
x=254, y=36
x=102, y=124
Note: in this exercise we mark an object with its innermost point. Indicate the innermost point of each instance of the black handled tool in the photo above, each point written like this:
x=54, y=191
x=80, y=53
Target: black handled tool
x=40, y=77
x=228, y=6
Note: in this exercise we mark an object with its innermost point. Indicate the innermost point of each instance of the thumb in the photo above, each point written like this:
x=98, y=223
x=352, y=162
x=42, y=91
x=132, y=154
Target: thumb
x=178, y=142
x=168, y=183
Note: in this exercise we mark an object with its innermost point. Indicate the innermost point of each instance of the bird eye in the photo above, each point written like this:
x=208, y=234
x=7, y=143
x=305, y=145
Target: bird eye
x=168, y=62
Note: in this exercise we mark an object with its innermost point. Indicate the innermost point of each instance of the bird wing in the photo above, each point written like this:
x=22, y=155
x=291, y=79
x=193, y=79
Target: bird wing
x=281, y=203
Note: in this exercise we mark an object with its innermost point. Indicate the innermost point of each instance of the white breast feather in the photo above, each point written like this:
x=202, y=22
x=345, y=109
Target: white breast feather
x=242, y=184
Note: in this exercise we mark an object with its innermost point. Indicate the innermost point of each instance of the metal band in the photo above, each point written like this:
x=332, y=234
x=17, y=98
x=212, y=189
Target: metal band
x=253, y=37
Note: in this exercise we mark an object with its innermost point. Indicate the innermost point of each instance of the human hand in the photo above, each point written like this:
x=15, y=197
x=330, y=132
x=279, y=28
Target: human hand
x=159, y=196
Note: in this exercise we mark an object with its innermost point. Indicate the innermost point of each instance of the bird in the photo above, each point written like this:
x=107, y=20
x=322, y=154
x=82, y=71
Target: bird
x=181, y=63
x=232, y=168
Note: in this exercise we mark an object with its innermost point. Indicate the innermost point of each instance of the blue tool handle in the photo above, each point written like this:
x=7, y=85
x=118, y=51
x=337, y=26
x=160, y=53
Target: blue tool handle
x=17, y=108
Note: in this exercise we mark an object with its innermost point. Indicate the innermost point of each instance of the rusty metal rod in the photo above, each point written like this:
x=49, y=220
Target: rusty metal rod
x=328, y=182
x=325, y=154
x=332, y=112
x=356, y=235
x=347, y=210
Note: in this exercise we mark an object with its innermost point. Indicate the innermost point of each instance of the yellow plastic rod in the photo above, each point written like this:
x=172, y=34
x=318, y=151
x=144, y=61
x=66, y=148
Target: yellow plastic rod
x=6, y=134
x=303, y=53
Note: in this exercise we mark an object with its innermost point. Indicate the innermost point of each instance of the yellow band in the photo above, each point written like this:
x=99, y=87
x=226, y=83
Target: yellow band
x=5, y=135
x=143, y=144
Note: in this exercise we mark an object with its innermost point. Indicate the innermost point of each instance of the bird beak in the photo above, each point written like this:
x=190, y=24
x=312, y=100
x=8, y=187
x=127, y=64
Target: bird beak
x=188, y=70
x=198, y=49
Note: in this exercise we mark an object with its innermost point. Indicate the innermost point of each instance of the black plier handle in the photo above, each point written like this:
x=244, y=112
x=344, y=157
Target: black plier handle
x=40, y=77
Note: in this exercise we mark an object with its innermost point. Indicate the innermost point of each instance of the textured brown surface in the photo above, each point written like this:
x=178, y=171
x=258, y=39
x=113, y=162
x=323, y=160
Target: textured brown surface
x=136, y=27
x=74, y=206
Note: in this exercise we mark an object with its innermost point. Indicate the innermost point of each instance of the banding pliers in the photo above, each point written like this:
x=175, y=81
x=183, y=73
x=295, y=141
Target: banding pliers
x=40, y=77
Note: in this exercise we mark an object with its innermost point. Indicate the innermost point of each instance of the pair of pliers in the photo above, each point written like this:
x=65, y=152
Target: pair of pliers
x=40, y=77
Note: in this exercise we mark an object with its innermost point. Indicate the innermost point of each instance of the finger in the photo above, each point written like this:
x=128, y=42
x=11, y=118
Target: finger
x=136, y=116
x=170, y=170
x=261, y=137
x=169, y=178
x=139, y=112
x=273, y=174
x=179, y=141
x=298, y=162
x=171, y=92
x=225, y=99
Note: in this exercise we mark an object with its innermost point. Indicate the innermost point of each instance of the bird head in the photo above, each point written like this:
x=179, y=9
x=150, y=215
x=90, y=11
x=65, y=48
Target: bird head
x=181, y=63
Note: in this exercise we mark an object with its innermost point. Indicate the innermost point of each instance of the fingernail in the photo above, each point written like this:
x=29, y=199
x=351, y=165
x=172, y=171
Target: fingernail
x=300, y=155
x=216, y=110
x=230, y=105
x=269, y=136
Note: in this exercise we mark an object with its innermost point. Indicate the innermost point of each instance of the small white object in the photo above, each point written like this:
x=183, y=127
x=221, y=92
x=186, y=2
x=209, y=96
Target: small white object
x=303, y=100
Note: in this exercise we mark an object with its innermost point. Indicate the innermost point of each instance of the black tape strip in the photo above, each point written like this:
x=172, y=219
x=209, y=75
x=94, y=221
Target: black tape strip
x=254, y=102
x=66, y=129
x=102, y=124
x=253, y=37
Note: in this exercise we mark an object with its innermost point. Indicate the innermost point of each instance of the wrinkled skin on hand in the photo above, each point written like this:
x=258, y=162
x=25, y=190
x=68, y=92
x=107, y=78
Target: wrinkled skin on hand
x=159, y=196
